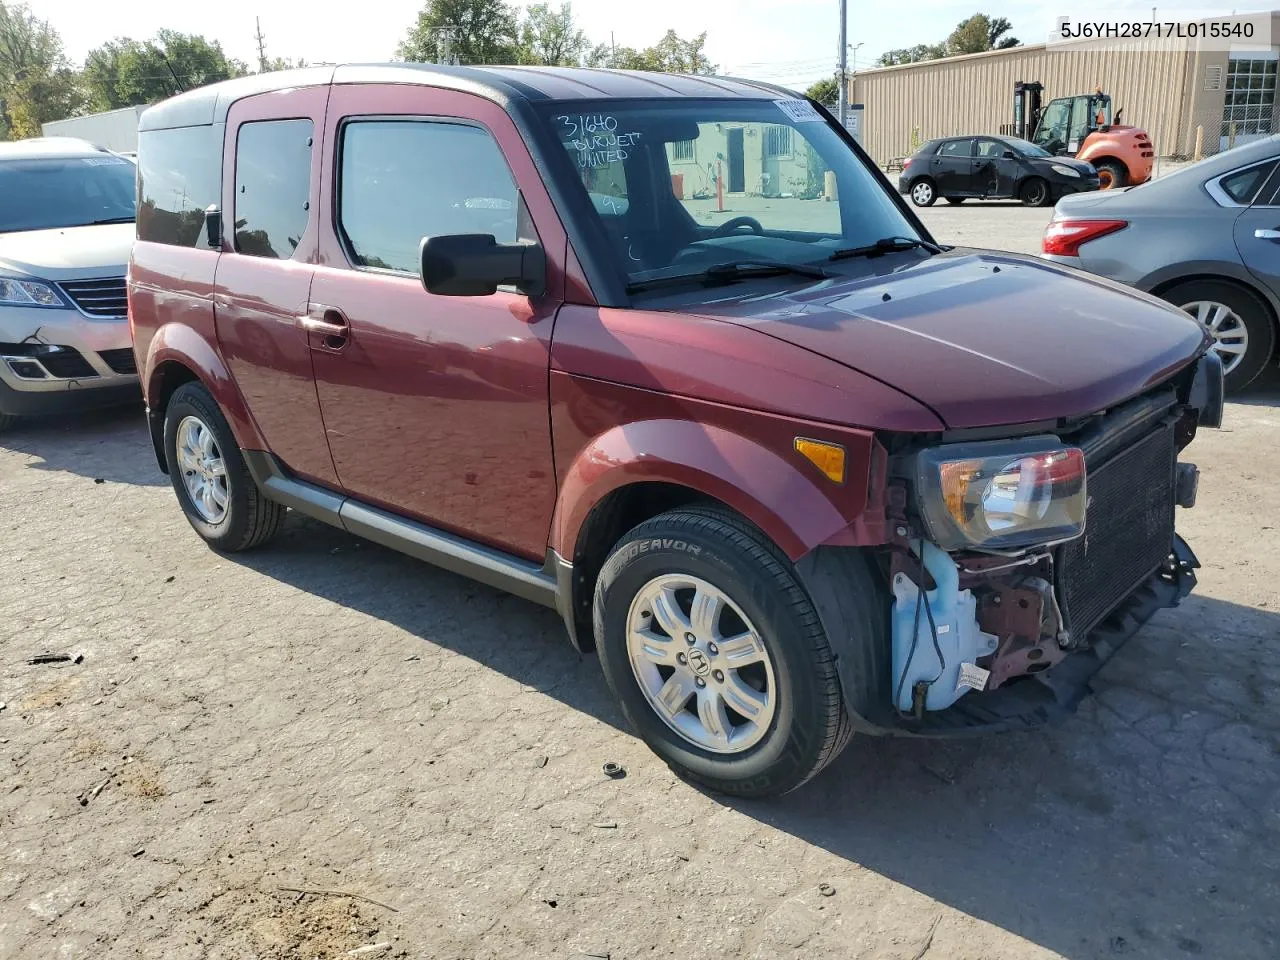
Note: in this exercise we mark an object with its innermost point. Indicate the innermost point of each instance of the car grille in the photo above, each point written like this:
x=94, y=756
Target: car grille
x=66, y=364
x=121, y=361
x=1128, y=531
x=104, y=297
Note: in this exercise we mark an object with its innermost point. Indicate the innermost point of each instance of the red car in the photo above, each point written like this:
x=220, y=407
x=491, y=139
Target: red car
x=669, y=355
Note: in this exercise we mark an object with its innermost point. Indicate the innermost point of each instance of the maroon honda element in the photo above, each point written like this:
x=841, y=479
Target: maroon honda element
x=668, y=355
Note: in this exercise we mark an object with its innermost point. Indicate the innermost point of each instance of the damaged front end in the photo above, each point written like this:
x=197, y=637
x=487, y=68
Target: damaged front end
x=1020, y=564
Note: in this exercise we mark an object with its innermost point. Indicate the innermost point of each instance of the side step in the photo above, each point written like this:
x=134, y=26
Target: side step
x=493, y=567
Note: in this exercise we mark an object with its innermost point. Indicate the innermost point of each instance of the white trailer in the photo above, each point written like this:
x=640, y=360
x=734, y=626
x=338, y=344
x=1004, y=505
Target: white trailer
x=115, y=129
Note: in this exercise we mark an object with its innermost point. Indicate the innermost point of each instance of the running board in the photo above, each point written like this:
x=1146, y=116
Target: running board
x=485, y=564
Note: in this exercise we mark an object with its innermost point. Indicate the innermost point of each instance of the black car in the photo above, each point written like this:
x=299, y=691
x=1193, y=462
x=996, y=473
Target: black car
x=992, y=168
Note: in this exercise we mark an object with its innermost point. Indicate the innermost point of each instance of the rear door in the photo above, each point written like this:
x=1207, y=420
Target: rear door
x=1257, y=233
x=436, y=407
x=952, y=167
x=271, y=181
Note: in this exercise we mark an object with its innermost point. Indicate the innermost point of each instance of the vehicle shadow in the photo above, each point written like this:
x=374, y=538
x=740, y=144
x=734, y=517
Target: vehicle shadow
x=1263, y=392
x=1145, y=825
x=88, y=444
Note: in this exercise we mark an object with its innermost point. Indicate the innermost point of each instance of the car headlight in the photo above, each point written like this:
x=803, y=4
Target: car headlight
x=28, y=293
x=1003, y=494
x=1064, y=170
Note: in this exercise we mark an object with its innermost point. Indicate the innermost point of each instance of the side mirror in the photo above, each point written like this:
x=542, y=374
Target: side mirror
x=1009, y=155
x=475, y=265
x=213, y=227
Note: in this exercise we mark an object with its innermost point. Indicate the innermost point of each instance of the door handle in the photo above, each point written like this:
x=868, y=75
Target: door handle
x=1262, y=234
x=324, y=328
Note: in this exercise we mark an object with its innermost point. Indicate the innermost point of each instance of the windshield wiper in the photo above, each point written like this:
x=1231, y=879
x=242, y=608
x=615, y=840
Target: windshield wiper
x=886, y=245
x=729, y=272
x=98, y=223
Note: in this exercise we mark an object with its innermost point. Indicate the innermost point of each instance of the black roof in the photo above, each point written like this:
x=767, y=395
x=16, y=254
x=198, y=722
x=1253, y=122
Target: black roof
x=502, y=84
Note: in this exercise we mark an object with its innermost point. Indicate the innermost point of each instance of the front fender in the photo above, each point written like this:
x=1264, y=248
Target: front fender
x=797, y=508
x=177, y=343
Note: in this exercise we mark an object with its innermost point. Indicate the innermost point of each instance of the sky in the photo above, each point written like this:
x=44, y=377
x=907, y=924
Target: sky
x=792, y=42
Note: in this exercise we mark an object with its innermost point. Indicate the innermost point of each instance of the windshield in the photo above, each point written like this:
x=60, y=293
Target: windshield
x=1028, y=149
x=675, y=187
x=65, y=192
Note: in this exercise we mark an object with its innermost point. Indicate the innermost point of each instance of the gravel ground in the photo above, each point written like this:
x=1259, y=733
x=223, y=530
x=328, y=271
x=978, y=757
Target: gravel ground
x=424, y=756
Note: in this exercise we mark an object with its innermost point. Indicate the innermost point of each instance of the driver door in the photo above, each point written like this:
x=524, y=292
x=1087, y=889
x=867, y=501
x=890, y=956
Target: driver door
x=435, y=407
x=994, y=174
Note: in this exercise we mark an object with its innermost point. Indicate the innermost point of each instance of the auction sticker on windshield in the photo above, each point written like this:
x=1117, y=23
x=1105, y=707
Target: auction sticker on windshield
x=799, y=111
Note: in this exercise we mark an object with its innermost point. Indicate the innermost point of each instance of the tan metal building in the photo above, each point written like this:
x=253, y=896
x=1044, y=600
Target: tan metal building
x=1229, y=95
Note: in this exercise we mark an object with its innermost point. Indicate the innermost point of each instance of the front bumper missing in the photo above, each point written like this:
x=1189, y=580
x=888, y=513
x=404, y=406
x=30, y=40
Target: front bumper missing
x=1054, y=694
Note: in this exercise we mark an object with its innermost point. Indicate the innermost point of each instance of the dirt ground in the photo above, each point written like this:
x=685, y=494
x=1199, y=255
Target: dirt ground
x=325, y=747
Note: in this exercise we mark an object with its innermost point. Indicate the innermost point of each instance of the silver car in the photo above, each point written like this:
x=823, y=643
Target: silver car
x=1206, y=238
x=66, y=228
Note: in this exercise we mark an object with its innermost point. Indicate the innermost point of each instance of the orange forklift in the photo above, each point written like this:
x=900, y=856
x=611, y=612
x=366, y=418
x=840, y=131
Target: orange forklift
x=1082, y=127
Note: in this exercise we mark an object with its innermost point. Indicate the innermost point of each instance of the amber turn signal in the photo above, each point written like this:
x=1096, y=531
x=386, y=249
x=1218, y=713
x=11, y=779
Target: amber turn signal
x=827, y=457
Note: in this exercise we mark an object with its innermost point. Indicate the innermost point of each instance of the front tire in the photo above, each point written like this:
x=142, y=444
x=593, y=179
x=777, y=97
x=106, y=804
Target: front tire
x=1034, y=192
x=209, y=476
x=1243, y=329
x=923, y=192
x=716, y=654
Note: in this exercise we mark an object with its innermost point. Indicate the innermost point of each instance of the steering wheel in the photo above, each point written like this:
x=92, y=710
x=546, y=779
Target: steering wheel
x=737, y=223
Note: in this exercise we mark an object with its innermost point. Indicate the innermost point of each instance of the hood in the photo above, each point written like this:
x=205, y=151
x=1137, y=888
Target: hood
x=68, y=253
x=986, y=339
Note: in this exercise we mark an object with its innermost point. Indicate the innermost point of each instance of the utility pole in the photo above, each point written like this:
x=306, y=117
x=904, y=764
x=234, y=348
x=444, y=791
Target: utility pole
x=444, y=46
x=262, y=45
x=844, y=64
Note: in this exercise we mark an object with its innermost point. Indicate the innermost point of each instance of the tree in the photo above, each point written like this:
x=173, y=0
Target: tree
x=977, y=34
x=550, y=38
x=484, y=32
x=980, y=33
x=282, y=63
x=124, y=72
x=921, y=51
x=671, y=54
x=825, y=91
x=37, y=83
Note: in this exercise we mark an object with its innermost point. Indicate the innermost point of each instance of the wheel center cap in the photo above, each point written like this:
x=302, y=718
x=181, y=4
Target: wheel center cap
x=699, y=663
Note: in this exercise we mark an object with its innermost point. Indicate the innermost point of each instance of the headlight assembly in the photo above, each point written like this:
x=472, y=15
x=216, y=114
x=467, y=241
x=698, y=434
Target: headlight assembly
x=28, y=293
x=1001, y=495
x=1064, y=170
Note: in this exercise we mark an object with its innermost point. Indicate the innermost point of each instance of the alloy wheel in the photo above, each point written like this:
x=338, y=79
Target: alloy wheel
x=1230, y=335
x=701, y=665
x=204, y=474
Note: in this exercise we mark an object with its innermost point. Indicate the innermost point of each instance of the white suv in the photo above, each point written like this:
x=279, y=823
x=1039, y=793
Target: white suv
x=66, y=228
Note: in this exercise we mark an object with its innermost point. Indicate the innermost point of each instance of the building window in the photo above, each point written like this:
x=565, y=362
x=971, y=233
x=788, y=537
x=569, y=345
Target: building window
x=682, y=150
x=1250, y=100
x=777, y=141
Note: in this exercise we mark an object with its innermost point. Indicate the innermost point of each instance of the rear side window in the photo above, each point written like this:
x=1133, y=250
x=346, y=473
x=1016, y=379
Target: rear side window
x=1243, y=185
x=179, y=178
x=402, y=180
x=273, y=187
x=956, y=148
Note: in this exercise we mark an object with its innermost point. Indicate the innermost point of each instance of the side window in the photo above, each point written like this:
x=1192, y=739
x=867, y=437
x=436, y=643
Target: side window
x=1243, y=185
x=179, y=178
x=956, y=148
x=273, y=187
x=402, y=180
x=990, y=149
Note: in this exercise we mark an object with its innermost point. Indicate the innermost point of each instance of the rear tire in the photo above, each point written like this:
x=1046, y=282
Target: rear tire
x=923, y=192
x=1034, y=192
x=1111, y=175
x=1243, y=321
x=237, y=516
x=787, y=671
